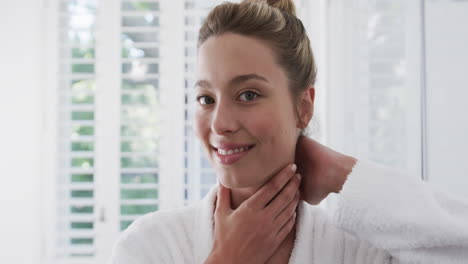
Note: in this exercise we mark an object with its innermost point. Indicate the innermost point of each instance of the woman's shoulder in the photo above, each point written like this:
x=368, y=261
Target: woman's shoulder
x=156, y=235
x=173, y=221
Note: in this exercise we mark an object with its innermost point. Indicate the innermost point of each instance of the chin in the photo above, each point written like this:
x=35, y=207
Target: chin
x=236, y=181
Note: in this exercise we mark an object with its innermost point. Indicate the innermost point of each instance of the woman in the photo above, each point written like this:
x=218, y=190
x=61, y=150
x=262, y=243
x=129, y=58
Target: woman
x=255, y=94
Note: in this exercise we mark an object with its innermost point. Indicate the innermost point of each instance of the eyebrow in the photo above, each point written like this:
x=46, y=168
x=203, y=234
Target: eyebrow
x=234, y=81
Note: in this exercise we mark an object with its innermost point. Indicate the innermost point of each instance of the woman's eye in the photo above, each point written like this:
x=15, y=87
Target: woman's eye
x=204, y=100
x=248, y=96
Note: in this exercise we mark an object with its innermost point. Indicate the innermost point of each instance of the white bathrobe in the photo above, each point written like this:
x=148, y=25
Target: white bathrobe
x=381, y=216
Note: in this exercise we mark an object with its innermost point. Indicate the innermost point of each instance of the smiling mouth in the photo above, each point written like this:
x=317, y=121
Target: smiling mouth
x=227, y=152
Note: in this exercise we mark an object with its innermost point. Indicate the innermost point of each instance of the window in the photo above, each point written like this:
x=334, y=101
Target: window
x=372, y=82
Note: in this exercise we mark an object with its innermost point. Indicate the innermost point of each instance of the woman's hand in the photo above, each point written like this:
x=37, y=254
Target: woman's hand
x=252, y=232
x=323, y=170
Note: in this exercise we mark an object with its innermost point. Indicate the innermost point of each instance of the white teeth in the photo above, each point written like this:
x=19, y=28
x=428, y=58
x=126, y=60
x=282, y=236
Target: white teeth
x=222, y=151
x=231, y=151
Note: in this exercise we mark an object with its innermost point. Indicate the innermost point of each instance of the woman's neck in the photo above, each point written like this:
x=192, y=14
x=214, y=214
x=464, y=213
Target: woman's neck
x=239, y=195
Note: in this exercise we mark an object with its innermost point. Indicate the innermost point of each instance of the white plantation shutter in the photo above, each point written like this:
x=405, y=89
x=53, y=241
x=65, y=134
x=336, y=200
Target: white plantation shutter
x=76, y=129
x=140, y=110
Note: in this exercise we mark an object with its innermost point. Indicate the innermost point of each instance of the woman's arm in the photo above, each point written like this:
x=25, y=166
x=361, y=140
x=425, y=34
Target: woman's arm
x=403, y=215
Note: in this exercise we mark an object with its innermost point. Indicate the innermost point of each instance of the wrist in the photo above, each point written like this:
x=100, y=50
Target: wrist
x=215, y=257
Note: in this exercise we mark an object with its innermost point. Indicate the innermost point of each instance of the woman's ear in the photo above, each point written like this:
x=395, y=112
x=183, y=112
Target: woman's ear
x=306, y=107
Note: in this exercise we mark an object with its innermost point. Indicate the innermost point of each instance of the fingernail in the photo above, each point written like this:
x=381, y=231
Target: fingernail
x=298, y=176
x=294, y=167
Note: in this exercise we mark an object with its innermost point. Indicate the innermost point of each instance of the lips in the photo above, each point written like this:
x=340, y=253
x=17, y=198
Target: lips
x=228, y=154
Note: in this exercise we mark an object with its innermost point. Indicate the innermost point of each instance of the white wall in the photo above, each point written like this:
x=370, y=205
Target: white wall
x=20, y=116
x=447, y=95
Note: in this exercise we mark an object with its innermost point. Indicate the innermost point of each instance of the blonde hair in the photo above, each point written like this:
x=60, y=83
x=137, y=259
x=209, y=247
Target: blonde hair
x=274, y=22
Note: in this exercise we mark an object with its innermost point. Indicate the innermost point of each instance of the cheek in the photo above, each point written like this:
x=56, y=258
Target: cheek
x=201, y=125
x=274, y=129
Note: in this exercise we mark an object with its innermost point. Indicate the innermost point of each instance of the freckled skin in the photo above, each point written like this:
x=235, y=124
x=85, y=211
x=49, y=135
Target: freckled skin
x=269, y=121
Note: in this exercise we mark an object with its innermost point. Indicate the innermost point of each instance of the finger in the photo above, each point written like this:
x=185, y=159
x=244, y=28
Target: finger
x=289, y=211
x=285, y=196
x=223, y=200
x=286, y=229
x=264, y=195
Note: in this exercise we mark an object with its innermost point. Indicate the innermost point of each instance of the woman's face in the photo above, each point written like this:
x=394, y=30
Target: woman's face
x=245, y=116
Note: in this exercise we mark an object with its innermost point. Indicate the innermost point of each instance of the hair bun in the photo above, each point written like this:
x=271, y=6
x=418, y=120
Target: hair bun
x=285, y=5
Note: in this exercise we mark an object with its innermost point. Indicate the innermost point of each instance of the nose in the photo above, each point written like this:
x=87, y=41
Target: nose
x=224, y=119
